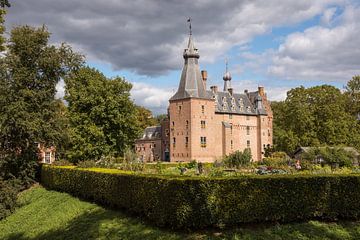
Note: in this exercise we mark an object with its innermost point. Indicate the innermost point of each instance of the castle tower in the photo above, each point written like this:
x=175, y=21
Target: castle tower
x=190, y=111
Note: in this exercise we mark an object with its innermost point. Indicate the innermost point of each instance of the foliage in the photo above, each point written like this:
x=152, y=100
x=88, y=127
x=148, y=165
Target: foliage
x=3, y=4
x=238, y=159
x=145, y=118
x=330, y=155
x=315, y=116
x=277, y=159
x=103, y=118
x=181, y=202
x=53, y=215
x=29, y=72
x=8, y=195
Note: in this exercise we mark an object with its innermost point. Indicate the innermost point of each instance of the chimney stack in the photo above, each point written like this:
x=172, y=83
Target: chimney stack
x=261, y=91
x=204, y=77
x=214, y=89
x=230, y=91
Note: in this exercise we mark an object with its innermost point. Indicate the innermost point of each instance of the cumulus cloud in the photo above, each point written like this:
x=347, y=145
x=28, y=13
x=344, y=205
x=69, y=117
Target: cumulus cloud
x=327, y=53
x=273, y=93
x=147, y=36
x=156, y=99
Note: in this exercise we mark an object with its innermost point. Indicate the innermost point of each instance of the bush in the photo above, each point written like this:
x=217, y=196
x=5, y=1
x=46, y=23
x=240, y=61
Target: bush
x=238, y=159
x=183, y=202
x=8, y=194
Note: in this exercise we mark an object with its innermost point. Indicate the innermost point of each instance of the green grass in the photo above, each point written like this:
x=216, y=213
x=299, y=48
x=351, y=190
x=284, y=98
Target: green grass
x=51, y=215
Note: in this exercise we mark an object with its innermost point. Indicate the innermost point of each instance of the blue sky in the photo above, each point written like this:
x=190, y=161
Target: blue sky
x=277, y=44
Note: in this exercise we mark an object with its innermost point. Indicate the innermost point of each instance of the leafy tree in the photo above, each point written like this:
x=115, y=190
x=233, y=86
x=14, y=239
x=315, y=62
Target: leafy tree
x=3, y=5
x=103, y=119
x=313, y=117
x=161, y=117
x=353, y=94
x=145, y=118
x=29, y=73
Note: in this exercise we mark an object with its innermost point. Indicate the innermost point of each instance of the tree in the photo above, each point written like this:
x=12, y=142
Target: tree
x=312, y=117
x=3, y=5
x=29, y=73
x=353, y=94
x=145, y=118
x=103, y=119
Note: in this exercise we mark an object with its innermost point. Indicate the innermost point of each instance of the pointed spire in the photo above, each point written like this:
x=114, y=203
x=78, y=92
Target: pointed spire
x=191, y=83
x=227, y=77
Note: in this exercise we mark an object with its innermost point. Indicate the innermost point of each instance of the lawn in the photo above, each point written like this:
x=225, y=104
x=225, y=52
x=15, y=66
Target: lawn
x=44, y=214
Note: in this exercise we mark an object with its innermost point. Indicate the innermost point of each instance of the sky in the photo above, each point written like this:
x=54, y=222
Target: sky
x=275, y=43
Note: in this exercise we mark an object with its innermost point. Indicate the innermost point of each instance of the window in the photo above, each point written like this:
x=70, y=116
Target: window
x=173, y=124
x=247, y=130
x=230, y=116
x=47, y=157
x=248, y=143
x=248, y=109
x=202, y=109
x=231, y=129
x=186, y=141
x=174, y=142
x=166, y=132
x=202, y=124
x=154, y=145
x=231, y=143
x=187, y=124
x=179, y=109
x=203, y=142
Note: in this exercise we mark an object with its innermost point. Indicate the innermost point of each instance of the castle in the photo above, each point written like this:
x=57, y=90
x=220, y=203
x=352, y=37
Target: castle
x=205, y=125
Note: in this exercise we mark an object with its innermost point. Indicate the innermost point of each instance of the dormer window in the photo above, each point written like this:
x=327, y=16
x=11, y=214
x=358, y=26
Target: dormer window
x=248, y=109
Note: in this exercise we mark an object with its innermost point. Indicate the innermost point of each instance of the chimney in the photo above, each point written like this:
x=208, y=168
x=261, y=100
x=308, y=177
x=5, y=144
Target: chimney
x=230, y=91
x=214, y=89
x=261, y=91
x=204, y=77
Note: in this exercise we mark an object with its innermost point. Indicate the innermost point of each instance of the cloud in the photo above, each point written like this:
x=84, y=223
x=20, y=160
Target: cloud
x=156, y=99
x=273, y=93
x=147, y=36
x=60, y=89
x=327, y=53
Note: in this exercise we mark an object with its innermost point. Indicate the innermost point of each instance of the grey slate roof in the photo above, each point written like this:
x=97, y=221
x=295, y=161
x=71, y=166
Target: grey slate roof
x=235, y=104
x=191, y=83
x=151, y=133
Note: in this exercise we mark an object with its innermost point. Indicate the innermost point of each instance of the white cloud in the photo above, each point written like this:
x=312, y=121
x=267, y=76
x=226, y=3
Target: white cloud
x=156, y=99
x=321, y=52
x=60, y=89
x=147, y=37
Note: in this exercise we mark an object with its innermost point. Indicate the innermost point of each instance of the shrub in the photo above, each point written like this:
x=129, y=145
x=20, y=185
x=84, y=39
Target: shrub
x=8, y=194
x=184, y=202
x=238, y=159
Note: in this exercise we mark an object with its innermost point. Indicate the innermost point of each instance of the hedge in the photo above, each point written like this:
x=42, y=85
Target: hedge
x=196, y=202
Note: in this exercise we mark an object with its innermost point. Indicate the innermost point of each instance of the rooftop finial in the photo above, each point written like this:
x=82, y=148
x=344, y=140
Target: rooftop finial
x=226, y=65
x=189, y=21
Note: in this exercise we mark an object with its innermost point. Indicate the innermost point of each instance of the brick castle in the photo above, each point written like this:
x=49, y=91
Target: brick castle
x=205, y=125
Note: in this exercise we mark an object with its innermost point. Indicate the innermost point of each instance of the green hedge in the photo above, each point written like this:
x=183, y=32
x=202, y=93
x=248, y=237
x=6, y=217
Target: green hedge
x=199, y=202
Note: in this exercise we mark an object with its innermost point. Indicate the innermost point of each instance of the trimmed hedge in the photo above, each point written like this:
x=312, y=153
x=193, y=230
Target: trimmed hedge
x=184, y=202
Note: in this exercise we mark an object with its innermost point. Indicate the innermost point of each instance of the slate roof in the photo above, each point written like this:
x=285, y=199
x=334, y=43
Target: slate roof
x=191, y=83
x=236, y=104
x=151, y=133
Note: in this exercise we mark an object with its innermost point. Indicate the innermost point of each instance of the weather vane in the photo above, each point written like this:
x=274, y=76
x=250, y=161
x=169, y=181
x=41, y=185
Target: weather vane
x=189, y=21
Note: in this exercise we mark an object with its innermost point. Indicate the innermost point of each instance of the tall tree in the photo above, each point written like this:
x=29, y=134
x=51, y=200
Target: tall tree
x=29, y=111
x=353, y=94
x=3, y=5
x=312, y=117
x=103, y=119
x=145, y=117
